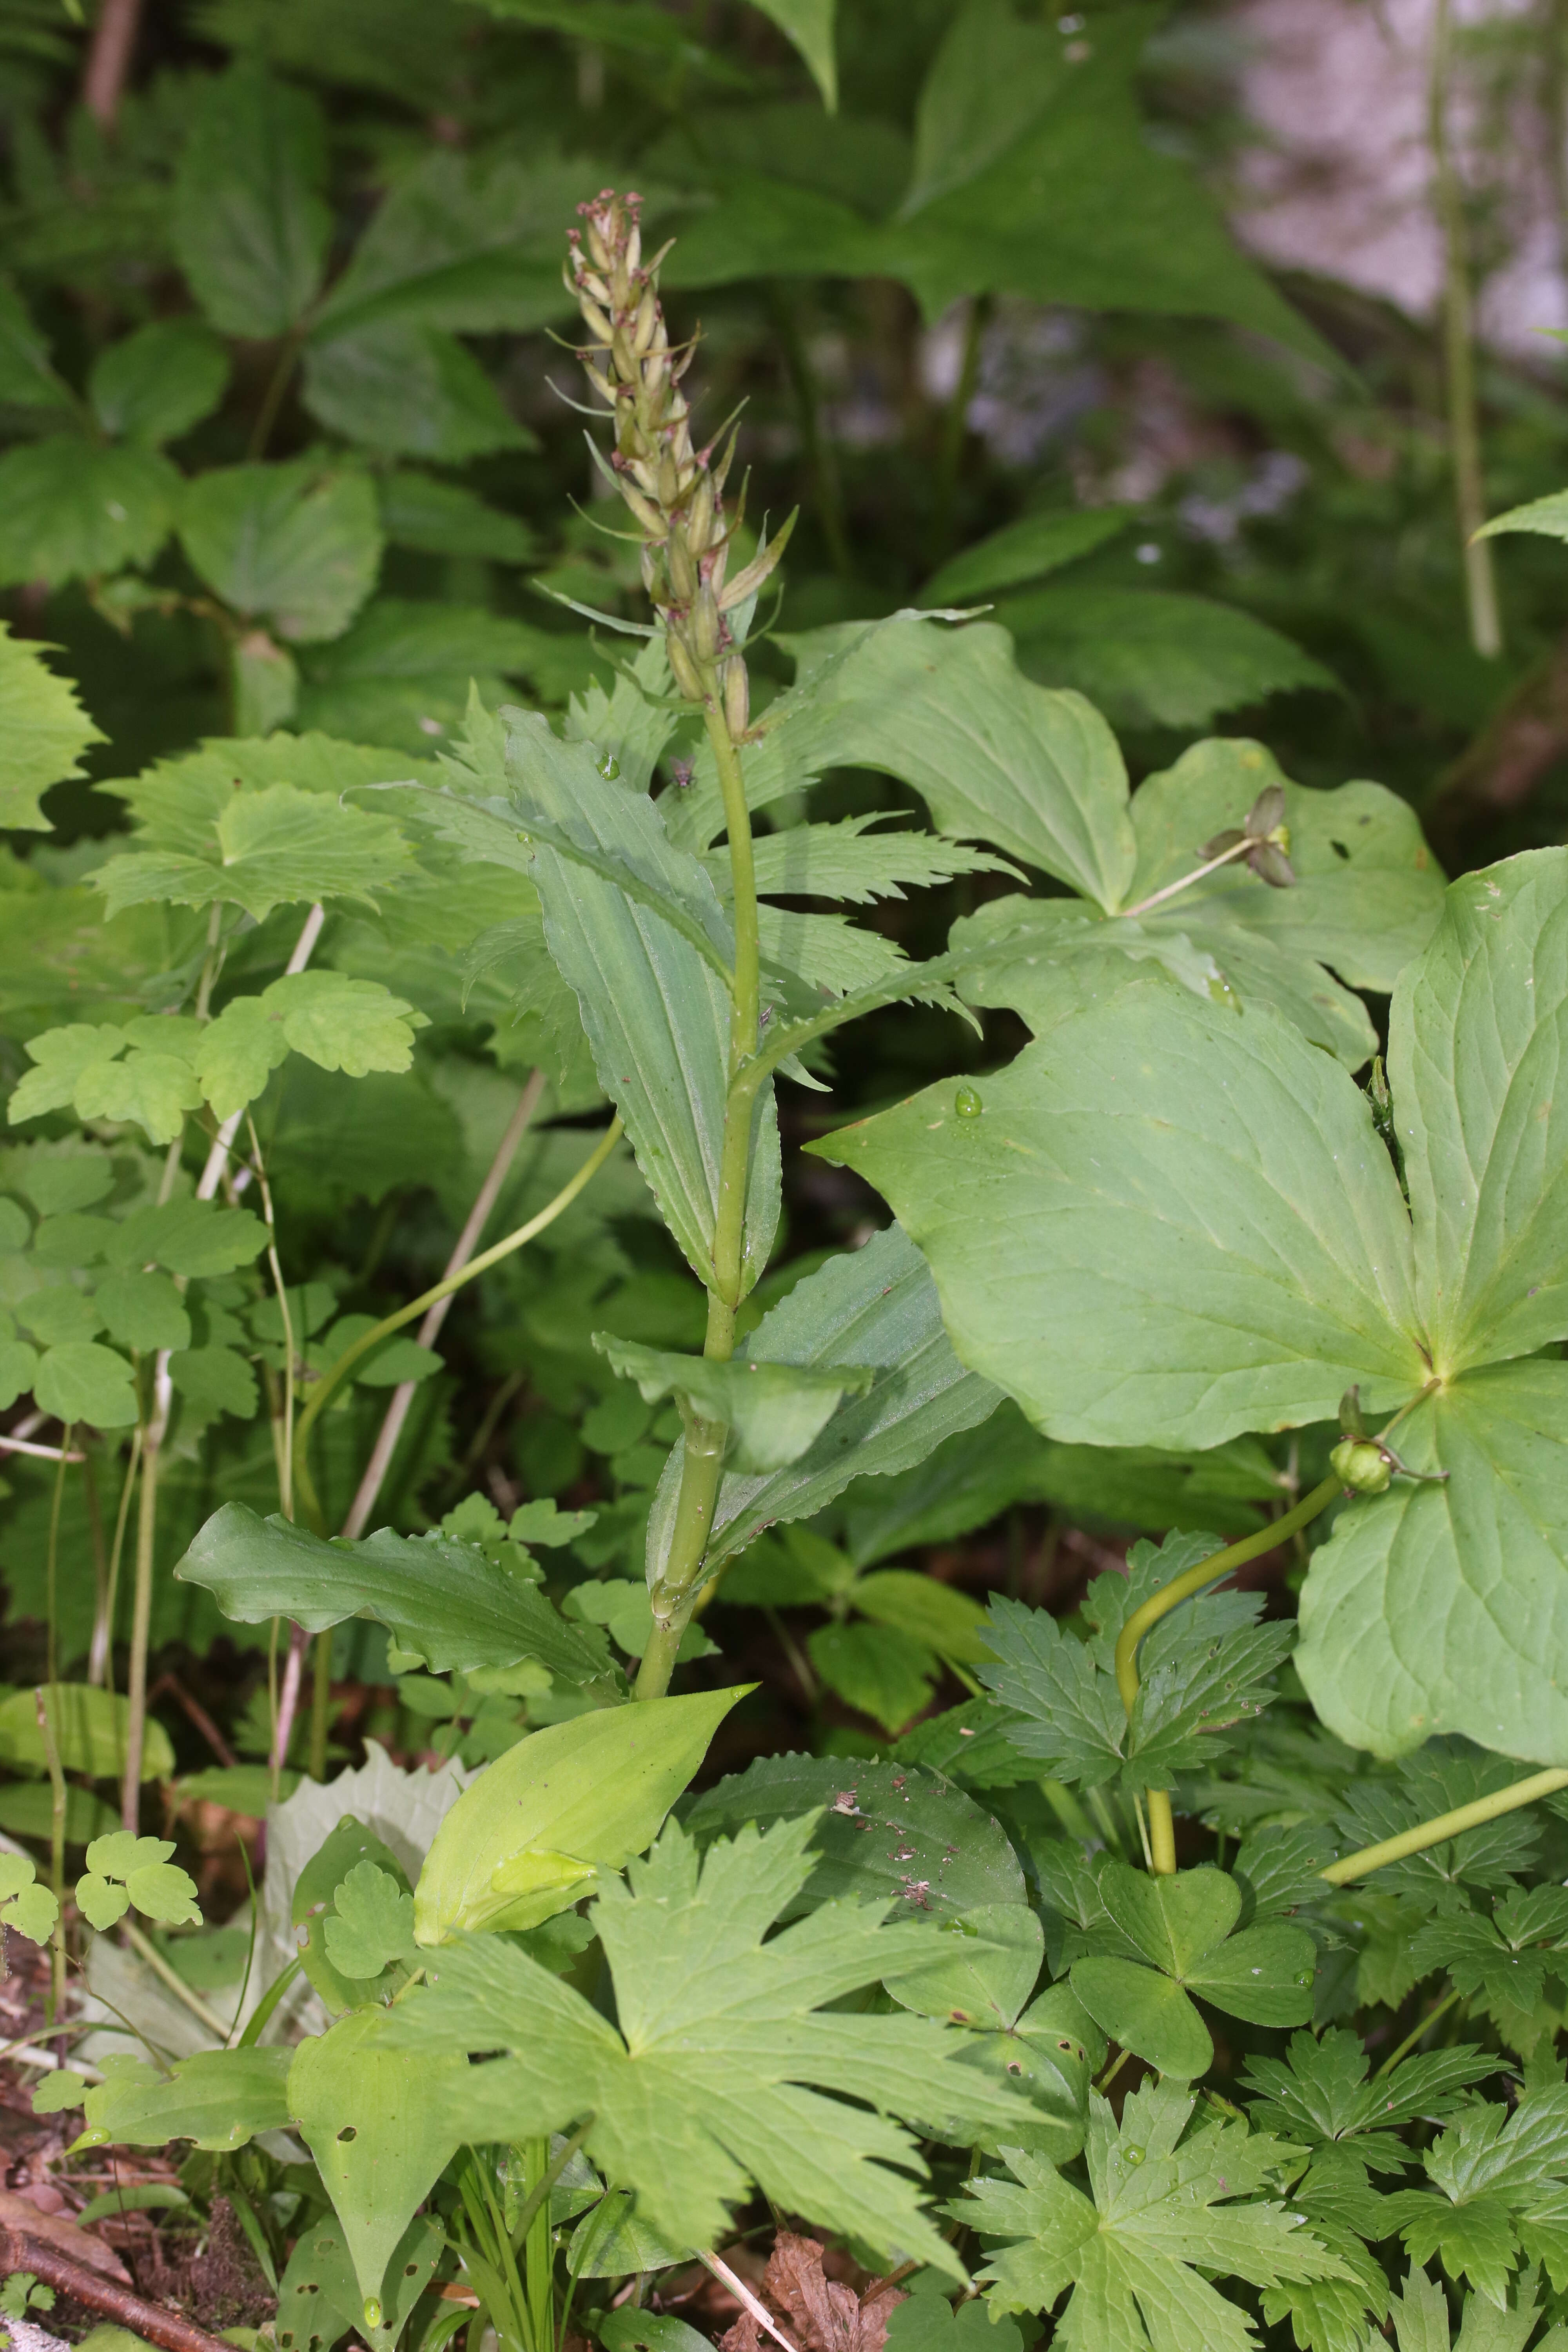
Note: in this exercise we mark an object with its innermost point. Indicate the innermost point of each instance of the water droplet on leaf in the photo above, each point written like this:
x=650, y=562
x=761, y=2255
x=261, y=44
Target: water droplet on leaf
x=967, y=1103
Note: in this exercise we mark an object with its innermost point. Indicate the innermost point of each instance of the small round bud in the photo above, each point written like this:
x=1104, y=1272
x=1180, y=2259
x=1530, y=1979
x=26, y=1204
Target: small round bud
x=1362, y=1465
x=967, y=1103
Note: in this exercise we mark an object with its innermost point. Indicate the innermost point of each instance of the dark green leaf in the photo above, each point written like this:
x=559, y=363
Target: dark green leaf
x=449, y=1601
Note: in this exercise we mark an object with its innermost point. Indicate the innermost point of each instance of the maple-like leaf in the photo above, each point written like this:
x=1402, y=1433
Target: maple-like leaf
x=1167, y=2204
x=1207, y=1669
x=711, y=2082
x=1501, y=2185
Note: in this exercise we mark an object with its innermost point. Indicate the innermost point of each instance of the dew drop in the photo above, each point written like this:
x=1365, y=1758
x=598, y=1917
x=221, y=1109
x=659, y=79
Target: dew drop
x=371, y=2312
x=609, y=767
x=1134, y=2154
x=967, y=1103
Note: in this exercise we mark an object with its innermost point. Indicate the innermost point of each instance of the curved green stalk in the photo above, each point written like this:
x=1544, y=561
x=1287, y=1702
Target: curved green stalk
x=1446, y=1825
x=1161, y=1828
x=345, y=1363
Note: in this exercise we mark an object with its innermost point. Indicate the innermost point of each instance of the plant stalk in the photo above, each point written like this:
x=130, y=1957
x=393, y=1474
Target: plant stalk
x=380, y=1461
x=1446, y=1825
x=154, y=1431
x=1161, y=1828
x=1460, y=357
x=702, y=1462
x=56, y=2002
x=335, y=1373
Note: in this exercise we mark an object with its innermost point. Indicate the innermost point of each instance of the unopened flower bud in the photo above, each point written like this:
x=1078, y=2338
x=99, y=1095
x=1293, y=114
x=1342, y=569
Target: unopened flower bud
x=1362, y=1464
x=737, y=698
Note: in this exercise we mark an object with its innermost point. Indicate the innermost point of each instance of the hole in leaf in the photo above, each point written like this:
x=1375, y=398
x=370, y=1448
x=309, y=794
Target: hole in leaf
x=348, y=2132
x=1340, y=850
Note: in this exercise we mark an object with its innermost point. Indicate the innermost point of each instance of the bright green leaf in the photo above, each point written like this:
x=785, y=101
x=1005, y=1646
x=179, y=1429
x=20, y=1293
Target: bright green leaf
x=809, y=25
x=88, y=1728
x=144, y=1311
x=1163, y=1327
x=536, y=1830
x=80, y=1381
x=774, y=1411
x=219, y=2098
x=43, y=728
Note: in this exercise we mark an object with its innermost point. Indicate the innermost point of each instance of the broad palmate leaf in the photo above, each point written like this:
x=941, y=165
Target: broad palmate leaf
x=1085, y=1261
x=1497, y=2188
x=1163, y=2211
x=1367, y=894
x=708, y=2085
x=1207, y=1668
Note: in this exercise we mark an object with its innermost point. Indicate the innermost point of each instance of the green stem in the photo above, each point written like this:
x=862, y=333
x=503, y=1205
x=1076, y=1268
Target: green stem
x=104, y=1641
x=148, y=1950
x=272, y=398
x=1162, y=1829
x=256, y=2023
x=1458, y=357
x=335, y=1372
x=1184, y=882
x=674, y=1594
x=1445, y=1826
x=153, y=1433
x=52, y=1654
x=1419, y=2033
x=57, y=1854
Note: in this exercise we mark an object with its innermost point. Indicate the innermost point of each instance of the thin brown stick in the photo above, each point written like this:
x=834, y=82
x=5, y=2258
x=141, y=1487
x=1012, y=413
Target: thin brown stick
x=468, y=1240
x=198, y=1716
x=91, y=2289
x=108, y=59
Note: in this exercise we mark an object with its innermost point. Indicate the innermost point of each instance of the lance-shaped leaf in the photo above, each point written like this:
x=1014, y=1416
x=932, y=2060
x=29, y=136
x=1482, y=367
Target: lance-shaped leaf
x=381, y=2123
x=773, y=1410
x=996, y=759
x=844, y=860
x=704, y=2087
x=532, y=1834
x=1085, y=1202
x=1162, y=2212
x=656, y=1010
x=875, y=1306
x=449, y=1601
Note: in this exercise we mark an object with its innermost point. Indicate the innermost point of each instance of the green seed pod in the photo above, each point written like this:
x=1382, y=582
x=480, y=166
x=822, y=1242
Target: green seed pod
x=967, y=1103
x=1362, y=1465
